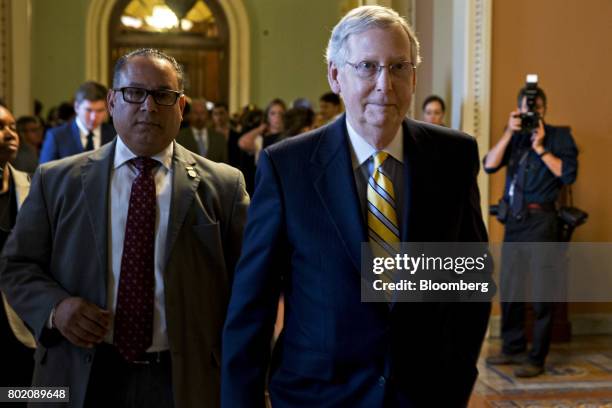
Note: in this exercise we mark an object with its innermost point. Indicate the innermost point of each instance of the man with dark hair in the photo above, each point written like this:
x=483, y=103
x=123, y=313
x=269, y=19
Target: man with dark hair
x=538, y=163
x=199, y=137
x=87, y=131
x=221, y=119
x=122, y=258
x=30, y=131
x=330, y=106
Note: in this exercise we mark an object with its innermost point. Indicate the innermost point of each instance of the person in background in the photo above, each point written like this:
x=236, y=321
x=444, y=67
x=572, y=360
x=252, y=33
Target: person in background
x=433, y=110
x=330, y=106
x=86, y=132
x=30, y=132
x=221, y=120
x=268, y=132
x=201, y=139
x=301, y=102
x=297, y=120
x=539, y=162
x=17, y=351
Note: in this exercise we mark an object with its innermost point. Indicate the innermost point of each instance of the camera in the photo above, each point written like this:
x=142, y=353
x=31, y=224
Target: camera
x=530, y=120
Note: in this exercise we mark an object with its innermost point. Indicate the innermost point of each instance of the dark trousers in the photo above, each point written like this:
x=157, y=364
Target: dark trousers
x=17, y=360
x=113, y=382
x=537, y=226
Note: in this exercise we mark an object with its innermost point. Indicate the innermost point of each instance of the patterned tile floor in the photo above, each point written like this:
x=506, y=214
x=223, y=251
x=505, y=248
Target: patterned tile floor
x=578, y=374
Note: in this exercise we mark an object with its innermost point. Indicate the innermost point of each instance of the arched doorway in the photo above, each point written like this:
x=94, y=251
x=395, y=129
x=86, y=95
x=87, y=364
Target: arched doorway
x=195, y=32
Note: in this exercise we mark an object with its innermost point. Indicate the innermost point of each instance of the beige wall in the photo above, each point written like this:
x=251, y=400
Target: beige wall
x=568, y=43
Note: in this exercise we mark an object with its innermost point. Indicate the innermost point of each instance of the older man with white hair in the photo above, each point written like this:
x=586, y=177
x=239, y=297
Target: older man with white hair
x=316, y=200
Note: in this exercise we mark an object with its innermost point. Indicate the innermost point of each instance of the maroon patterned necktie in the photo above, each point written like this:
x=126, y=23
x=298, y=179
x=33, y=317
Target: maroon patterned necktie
x=135, y=297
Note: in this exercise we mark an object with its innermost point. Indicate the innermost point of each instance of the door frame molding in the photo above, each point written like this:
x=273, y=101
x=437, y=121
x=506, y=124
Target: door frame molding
x=97, y=47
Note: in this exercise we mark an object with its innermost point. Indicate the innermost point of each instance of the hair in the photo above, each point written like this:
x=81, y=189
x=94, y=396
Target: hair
x=434, y=98
x=147, y=53
x=251, y=118
x=200, y=101
x=361, y=19
x=38, y=107
x=330, y=97
x=523, y=92
x=273, y=102
x=221, y=105
x=90, y=91
x=65, y=111
x=26, y=120
x=296, y=119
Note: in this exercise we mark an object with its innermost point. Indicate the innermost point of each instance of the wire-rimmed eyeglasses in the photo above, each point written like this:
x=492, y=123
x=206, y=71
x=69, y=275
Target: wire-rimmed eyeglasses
x=370, y=69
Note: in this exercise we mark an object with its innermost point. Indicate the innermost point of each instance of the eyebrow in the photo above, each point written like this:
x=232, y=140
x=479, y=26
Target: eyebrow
x=392, y=58
x=140, y=85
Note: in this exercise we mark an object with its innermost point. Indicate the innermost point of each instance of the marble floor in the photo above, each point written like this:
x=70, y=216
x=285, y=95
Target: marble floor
x=578, y=374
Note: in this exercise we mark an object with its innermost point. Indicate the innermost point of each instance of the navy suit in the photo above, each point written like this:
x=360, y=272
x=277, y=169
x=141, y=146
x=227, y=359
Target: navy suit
x=304, y=238
x=65, y=140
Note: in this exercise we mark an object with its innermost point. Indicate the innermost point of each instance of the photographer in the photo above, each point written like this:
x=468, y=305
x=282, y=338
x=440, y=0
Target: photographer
x=540, y=158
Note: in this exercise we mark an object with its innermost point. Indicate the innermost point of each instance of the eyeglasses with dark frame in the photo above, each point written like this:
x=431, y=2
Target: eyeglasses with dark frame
x=370, y=70
x=163, y=97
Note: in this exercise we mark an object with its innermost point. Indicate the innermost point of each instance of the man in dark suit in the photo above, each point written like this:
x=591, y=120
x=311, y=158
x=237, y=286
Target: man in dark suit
x=87, y=131
x=201, y=139
x=311, y=210
x=121, y=258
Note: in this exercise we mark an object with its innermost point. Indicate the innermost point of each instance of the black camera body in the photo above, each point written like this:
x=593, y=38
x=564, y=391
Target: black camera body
x=530, y=120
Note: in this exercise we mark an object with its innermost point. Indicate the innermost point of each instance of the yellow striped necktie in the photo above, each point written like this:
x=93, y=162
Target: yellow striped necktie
x=383, y=230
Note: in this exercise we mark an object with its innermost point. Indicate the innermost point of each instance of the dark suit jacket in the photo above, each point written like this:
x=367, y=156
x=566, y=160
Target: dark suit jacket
x=304, y=238
x=59, y=248
x=65, y=140
x=217, y=145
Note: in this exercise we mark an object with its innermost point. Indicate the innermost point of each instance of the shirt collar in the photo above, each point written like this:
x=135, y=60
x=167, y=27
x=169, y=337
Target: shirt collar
x=123, y=154
x=363, y=150
x=84, y=131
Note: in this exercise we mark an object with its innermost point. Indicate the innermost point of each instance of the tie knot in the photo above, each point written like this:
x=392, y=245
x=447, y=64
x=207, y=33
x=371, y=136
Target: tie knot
x=144, y=164
x=379, y=158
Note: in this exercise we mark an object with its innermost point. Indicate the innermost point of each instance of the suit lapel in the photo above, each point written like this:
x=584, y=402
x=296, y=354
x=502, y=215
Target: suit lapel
x=107, y=133
x=409, y=183
x=95, y=178
x=22, y=185
x=334, y=181
x=76, y=137
x=184, y=186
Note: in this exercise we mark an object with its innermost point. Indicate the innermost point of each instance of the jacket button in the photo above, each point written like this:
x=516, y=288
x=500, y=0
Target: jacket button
x=382, y=380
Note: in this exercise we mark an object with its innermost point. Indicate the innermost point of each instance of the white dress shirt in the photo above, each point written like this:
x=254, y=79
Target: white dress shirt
x=361, y=153
x=122, y=177
x=97, y=139
x=362, y=150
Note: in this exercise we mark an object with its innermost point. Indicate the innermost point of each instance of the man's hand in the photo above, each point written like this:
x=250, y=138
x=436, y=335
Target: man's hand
x=514, y=121
x=82, y=323
x=537, y=138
